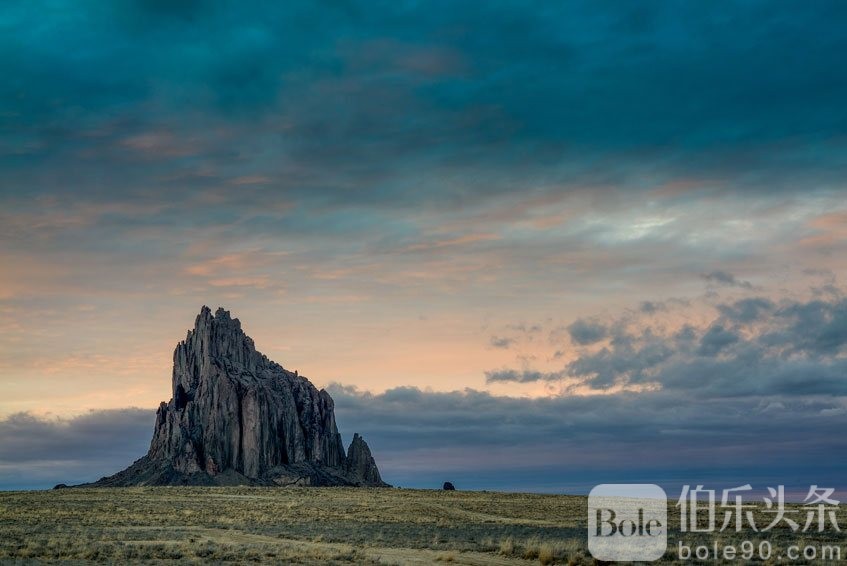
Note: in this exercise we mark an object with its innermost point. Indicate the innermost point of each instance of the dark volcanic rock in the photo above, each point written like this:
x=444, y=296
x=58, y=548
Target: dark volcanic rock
x=448, y=486
x=360, y=463
x=238, y=418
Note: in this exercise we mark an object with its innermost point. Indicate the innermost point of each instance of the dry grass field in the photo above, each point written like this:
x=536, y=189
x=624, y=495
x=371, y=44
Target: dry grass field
x=301, y=525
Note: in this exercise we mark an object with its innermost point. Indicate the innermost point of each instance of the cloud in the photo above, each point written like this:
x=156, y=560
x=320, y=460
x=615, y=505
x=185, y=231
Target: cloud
x=525, y=328
x=419, y=436
x=351, y=82
x=585, y=332
x=526, y=376
x=650, y=307
x=815, y=328
x=344, y=135
x=747, y=310
x=797, y=349
x=450, y=242
x=556, y=443
x=730, y=402
x=724, y=278
x=716, y=339
x=751, y=346
x=40, y=452
x=503, y=343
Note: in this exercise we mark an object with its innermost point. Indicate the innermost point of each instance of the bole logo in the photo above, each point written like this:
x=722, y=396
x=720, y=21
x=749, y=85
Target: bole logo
x=627, y=522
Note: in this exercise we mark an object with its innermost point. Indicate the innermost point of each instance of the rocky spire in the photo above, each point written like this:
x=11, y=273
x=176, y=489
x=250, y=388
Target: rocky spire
x=360, y=462
x=217, y=337
x=237, y=416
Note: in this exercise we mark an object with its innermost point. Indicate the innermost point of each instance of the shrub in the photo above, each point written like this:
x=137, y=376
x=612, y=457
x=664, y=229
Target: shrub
x=545, y=554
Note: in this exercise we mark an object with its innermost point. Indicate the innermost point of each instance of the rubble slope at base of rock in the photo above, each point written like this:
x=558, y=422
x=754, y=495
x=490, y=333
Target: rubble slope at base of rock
x=238, y=418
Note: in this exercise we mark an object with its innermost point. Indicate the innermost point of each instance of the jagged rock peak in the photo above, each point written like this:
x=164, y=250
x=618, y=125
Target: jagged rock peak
x=221, y=336
x=236, y=416
x=360, y=462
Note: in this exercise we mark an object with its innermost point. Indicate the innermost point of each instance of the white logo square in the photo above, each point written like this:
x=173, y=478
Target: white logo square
x=627, y=522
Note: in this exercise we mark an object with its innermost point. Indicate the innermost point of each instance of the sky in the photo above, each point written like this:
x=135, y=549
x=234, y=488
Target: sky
x=525, y=245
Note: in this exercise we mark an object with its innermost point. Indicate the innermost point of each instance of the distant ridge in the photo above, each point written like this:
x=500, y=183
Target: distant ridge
x=237, y=418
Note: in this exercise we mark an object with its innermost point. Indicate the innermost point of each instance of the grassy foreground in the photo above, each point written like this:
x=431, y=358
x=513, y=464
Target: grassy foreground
x=306, y=525
x=300, y=525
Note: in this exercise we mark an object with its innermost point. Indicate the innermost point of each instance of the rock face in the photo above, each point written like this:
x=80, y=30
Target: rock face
x=360, y=464
x=238, y=418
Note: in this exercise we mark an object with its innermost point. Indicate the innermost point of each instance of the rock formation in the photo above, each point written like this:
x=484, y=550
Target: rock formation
x=238, y=418
x=360, y=464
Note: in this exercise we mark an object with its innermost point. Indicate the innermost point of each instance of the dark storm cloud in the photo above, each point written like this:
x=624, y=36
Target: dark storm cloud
x=817, y=326
x=506, y=442
x=26, y=438
x=561, y=438
x=416, y=435
x=752, y=346
x=39, y=452
x=353, y=131
x=355, y=98
x=512, y=420
x=795, y=350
